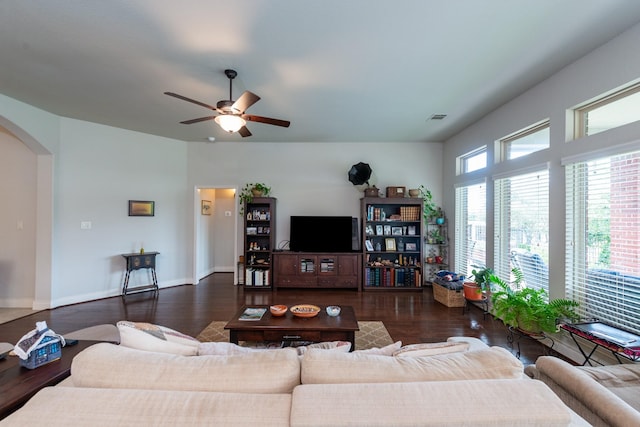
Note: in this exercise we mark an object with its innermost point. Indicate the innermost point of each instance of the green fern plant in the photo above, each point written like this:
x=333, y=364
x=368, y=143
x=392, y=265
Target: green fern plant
x=529, y=309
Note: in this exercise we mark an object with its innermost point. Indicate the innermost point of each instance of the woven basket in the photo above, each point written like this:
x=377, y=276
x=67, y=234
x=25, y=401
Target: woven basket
x=448, y=297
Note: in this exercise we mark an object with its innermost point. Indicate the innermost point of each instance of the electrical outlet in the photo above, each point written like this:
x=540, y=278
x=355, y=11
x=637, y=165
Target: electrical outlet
x=227, y=213
x=85, y=225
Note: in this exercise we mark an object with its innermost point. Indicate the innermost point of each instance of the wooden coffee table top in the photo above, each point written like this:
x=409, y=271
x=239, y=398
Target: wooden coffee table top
x=345, y=321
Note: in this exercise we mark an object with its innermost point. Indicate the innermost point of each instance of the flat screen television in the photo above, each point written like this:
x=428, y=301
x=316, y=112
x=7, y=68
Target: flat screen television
x=321, y=234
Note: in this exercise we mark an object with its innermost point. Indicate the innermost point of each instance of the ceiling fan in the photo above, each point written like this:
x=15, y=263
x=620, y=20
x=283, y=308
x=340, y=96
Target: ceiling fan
x=231, y=114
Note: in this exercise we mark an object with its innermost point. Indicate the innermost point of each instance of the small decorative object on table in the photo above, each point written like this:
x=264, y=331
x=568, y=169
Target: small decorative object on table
x=333, y=310
x=305, y=310
x=278, y=310
x=39, y=347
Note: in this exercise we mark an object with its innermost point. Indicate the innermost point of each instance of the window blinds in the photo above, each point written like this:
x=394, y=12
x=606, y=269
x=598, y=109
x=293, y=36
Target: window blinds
x=602, y=241
x=522, y=227
x=471, y=224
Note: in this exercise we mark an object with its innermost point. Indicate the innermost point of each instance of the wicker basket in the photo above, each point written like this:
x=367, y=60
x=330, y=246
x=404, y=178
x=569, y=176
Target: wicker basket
x=448, y=297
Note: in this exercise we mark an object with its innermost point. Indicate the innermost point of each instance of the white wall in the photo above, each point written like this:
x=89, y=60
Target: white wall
x=18, y=183
x=312, y=178
x=609, y=67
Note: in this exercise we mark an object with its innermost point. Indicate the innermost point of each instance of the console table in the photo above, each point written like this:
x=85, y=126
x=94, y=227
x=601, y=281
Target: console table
x=617, y=341
x=137, y=261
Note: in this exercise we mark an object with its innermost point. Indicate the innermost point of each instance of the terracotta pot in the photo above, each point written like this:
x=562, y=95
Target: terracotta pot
x=256, y=192
x=472, y=291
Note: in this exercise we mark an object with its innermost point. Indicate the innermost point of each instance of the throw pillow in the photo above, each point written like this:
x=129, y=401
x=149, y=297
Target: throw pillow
x=340, y=346
x=222, y=349
x=149, y=337
x=382, y=351
x=431, y=349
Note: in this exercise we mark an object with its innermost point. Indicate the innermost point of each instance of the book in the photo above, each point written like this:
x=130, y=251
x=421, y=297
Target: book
x=252, y=313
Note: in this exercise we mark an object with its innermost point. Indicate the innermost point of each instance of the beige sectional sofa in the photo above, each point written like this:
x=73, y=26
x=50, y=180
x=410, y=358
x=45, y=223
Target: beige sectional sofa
x=112, y=385
x=602, y=395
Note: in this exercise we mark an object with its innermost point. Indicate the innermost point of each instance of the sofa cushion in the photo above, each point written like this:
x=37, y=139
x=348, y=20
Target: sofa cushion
x=320, y=367
x=67, y=406
x=149, y=337
x=227, y=349
x=492, y=403
x=111, y=366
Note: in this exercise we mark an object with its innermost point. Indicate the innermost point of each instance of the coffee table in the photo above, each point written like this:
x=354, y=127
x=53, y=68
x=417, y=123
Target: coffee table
x=18, y=384
x=292, y=328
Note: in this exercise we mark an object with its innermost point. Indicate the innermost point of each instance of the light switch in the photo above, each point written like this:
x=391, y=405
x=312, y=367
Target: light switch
x=85, y=225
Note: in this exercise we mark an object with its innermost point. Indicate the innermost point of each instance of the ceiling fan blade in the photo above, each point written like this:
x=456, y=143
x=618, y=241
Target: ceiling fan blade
x=193, y=101
x=246, y=100
x=201, y=119
x=267, y=120
x=244, y=132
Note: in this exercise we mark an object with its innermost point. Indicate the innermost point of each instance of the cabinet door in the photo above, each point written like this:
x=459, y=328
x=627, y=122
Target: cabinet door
x=286, y=265
x=348, y=265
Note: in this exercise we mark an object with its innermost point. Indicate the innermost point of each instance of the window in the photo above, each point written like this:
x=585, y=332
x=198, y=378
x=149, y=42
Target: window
x=609, y=112
x=471, y=235
x=473, y=161
x=603, y=238
x=526, y=141
x=522, y=227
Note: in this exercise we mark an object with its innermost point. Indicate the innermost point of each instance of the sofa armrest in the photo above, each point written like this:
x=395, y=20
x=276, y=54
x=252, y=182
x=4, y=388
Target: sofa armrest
x=583, y=394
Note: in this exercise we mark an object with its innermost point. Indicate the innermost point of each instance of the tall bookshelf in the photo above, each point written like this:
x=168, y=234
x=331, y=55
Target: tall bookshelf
x=392, y=243
x=259, y=242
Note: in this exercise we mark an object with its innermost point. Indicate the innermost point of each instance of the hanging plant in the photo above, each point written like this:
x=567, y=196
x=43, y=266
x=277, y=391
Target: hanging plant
x=251, y=190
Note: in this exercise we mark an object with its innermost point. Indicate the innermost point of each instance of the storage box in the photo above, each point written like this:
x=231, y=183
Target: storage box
x=396, y=191
x=448, y=297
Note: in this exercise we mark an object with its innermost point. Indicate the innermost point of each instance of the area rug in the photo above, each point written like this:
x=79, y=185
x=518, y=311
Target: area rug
x=370, y=335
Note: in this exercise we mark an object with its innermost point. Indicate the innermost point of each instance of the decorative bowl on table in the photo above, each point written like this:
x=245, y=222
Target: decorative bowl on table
x=333, y=310
x=278, y=310
x=305, y=310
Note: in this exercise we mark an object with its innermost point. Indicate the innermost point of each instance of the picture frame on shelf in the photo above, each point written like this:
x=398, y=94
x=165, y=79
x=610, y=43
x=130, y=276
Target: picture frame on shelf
x=252, y=231
x=390, y=244
x=379, y=231
x=387, y=230
x=396, y=231
x=369, y=245
x=368, y=230
x=411, y=230
x=410, y=247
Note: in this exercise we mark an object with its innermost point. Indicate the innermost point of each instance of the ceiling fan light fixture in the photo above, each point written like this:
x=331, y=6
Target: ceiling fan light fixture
x=230, y=123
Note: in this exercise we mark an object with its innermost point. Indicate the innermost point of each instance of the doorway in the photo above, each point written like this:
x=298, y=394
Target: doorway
x=216, y=231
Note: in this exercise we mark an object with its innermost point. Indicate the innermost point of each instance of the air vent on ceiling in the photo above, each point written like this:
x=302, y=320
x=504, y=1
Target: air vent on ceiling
x=437, y=117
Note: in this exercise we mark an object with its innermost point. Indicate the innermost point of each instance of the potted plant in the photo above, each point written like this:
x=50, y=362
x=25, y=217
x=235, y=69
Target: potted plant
x=529, y=309
x=429, y=207
x=481, y=285
x=251, y=190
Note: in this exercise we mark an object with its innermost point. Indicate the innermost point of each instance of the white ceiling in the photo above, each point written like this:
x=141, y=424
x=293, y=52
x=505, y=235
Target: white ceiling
x=339, y=70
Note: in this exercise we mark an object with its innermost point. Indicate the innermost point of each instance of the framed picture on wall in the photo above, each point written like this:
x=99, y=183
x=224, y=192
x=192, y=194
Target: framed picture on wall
x=206, y=207
x=142, y=208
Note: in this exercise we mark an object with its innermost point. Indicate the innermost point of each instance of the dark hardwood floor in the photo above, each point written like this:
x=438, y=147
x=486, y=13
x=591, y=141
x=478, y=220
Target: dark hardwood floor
x=410, y=316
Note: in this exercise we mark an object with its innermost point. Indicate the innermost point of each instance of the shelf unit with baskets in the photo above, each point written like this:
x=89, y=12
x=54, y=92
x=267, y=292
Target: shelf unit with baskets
x=259, y=242
x=392, y=243
x=436, y=248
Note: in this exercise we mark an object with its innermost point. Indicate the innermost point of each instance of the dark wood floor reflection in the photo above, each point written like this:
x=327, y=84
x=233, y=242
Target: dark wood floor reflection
x=409, y=316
